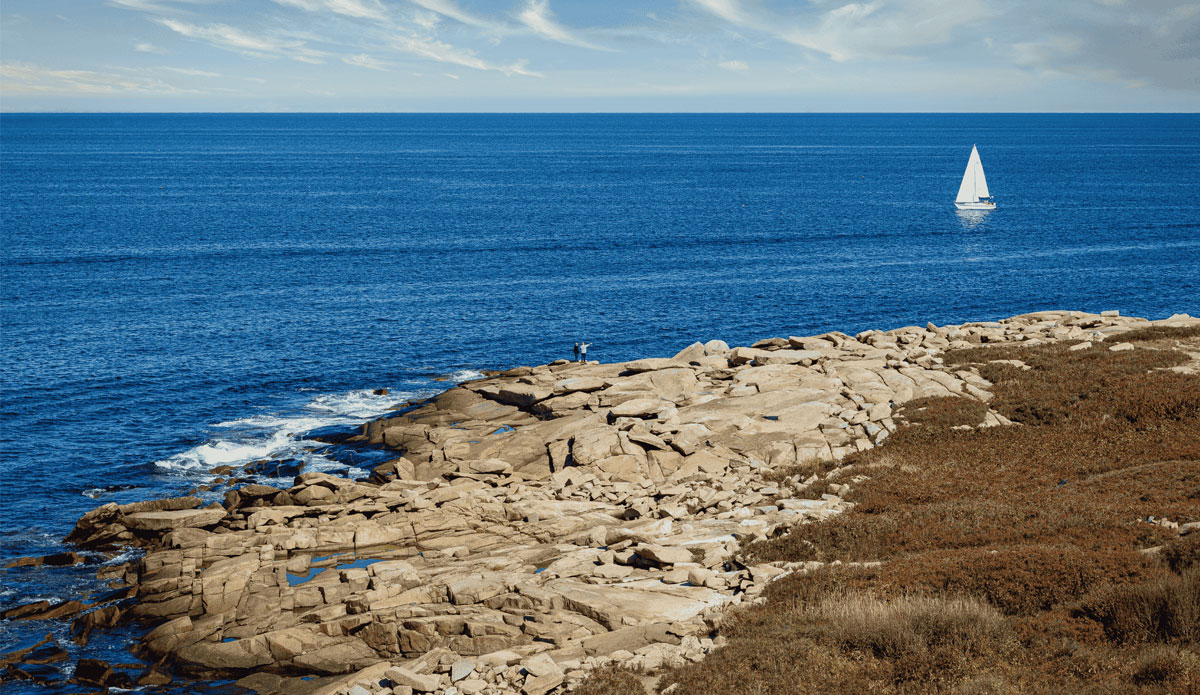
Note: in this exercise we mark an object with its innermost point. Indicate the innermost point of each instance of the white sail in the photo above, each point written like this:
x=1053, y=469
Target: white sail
x=974, y=184
x=981, y=189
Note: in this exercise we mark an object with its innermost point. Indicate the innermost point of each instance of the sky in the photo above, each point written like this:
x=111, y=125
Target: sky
x=600, y=55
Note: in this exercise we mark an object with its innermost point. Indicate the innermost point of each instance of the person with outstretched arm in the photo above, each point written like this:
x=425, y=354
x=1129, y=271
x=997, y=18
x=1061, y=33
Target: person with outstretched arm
x=583, y=351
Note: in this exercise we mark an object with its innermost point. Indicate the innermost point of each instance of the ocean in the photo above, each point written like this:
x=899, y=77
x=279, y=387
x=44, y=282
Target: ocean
x=180, y=292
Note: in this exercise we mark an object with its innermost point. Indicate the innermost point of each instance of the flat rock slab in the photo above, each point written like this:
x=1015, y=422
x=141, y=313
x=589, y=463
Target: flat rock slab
x=664, y=555
x=641, y=407
x=618, y=605
x=169, y=520
x=652, y=364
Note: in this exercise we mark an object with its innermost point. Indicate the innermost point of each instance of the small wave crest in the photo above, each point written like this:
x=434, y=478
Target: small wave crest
x=122, y=558
x=220, y=452
x=465, y=375
x=355, y=405
x=280, y=435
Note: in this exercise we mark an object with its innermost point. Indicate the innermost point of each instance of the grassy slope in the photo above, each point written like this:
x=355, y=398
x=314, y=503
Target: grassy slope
x=1010, y=559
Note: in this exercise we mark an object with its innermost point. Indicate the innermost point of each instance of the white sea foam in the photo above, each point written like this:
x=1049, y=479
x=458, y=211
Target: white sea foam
x=123, y=557
x=275, y=422
x=465, y=375
x=354, y=405
x=219, y=452
x=279, y=435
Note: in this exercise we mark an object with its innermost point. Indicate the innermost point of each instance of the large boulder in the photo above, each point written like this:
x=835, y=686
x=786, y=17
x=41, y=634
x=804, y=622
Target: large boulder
x=641, y=408
x=177, y=519
x=578, y=384
x=419, y=682
x=225, y=657
x=664, y=555
x=523, y=395
x=788, y=357
x=692, y=352
x=674, y=384
x=594, y=444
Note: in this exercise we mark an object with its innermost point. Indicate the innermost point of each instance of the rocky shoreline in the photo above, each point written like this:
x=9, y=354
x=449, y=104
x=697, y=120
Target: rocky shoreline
x=534, y=525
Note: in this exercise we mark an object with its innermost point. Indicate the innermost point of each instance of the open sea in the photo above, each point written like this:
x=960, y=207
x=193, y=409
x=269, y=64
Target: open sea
x=179, y=292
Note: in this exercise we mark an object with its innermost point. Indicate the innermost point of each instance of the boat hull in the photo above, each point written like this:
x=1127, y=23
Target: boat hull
x=975, y=206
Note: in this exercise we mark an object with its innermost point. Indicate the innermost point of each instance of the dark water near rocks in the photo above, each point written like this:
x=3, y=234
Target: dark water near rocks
x=183, y=291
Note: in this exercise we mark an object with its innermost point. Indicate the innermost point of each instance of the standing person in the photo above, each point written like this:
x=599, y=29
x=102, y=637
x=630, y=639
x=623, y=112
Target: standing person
x=576, y=351
x=583, y=351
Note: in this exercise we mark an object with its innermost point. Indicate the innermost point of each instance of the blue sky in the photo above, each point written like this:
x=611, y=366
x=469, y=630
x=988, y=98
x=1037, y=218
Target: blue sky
x=600, y=55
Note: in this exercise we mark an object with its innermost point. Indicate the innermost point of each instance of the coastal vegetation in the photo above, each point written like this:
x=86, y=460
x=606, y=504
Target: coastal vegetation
x=1044, y=557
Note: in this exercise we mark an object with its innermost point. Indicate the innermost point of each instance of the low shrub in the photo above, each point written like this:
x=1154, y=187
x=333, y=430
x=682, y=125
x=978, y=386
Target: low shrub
x=1057, y=631
x=942, y=412
x=1161, y=664
x=1018, y=580
x=611, y=680
x=1071, y=386
x=1160, y=610
x=1183, y=554
x=1151, y=333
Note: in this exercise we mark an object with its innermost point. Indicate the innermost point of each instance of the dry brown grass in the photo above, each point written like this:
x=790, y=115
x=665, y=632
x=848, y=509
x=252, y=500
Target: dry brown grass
x=1160, y=664
x=1183, y=554
x=610, y=680
x=1153, y=333
x=1010, y=556
x=1164, y=610
x=942, y=412
x=1018, y=580
x=906, y=624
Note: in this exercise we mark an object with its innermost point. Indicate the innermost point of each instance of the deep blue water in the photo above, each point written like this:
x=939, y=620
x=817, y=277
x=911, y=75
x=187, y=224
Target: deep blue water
x=180, y=291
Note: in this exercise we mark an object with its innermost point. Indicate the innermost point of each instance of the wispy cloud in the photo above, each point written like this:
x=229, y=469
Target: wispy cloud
x=729, y=10
x=363, y=60
x=362, y=9
x=425, y=19
x=449, y=8
x=879, y=30
x=856, y=30
x=147, y=47
x=735, y=65
x=538, y=17
x=157, y=6
x=26, y=78
x=140, y=5
x=224, y=36
x=234, y=39
x=446, y=53
x=191, y=72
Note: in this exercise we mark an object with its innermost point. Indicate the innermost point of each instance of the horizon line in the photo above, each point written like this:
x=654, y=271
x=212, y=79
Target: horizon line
x=604, y=113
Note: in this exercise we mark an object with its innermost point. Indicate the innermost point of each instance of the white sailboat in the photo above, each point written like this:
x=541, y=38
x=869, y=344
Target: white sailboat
x=973, y=192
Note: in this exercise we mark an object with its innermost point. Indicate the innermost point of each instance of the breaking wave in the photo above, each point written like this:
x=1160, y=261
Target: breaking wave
x=281, y=435
x=465, y=375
